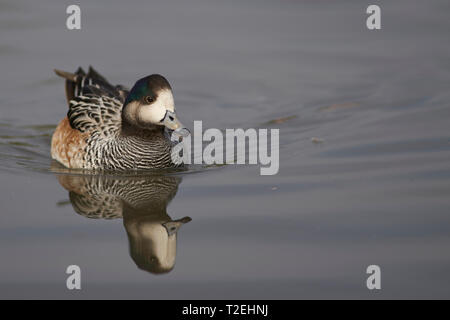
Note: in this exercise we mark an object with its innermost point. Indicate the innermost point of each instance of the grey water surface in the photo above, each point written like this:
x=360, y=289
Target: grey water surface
x=371, y=188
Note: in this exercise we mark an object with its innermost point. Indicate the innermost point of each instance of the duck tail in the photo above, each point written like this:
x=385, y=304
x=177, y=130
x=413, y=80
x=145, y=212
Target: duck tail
x=74, y=82
x=92, y=82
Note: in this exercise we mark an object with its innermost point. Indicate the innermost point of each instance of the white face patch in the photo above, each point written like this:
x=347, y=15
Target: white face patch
x=156, y=111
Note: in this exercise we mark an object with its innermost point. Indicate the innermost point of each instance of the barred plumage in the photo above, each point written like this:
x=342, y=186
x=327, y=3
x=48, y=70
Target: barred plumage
x=142, y=203
x=103, y=197
x=109, y=127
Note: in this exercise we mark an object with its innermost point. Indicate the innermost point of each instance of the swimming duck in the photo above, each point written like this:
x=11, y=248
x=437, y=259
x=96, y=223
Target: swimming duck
x=110, y=127
x=142, y=203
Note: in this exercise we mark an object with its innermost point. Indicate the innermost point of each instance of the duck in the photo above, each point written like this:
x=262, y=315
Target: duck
x=109, y=127
x=141, y=202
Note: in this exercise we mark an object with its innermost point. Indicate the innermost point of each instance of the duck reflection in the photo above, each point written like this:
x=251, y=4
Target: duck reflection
x=142, y=203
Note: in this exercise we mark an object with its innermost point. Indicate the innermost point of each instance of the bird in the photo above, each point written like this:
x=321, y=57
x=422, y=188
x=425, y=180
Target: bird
x=141, y=201
x=109, y=127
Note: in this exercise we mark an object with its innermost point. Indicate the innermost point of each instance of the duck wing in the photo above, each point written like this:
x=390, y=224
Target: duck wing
x=94, y=104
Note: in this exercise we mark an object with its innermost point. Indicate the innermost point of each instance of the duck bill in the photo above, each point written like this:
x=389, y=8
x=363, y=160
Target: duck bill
x=170, y=121
x=173, y=226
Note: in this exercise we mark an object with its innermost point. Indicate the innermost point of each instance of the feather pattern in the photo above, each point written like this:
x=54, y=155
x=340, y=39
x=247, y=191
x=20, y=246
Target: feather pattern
x=95, y=196
x=101, y=114
x=95, y=111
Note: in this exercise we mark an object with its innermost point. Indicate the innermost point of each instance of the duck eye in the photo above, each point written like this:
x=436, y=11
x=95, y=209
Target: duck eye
x=149, y=99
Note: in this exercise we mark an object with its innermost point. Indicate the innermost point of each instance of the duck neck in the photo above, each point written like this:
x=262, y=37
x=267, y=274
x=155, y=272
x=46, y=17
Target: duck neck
x=128, y=129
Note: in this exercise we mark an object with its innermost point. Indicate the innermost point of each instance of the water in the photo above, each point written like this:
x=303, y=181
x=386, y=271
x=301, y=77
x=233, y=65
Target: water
x=372, y=188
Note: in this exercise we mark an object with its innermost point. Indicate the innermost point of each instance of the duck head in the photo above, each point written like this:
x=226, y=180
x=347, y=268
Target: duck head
x=153, y=240
x=150, y=104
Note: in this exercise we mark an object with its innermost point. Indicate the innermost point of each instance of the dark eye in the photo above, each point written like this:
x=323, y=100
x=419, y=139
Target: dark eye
x=149, y=99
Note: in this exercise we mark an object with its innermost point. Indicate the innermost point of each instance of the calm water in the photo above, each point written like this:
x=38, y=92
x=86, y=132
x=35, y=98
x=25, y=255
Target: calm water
x=375, y=191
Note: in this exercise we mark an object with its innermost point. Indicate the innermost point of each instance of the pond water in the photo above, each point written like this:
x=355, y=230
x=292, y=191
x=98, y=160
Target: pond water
x=364, y=176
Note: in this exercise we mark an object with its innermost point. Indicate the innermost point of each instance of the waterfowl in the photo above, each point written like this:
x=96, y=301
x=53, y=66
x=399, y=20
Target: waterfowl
x=110, y=127
x=141, y=202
